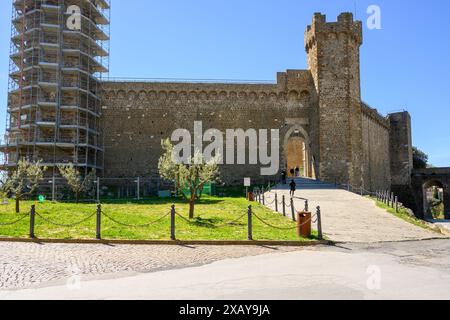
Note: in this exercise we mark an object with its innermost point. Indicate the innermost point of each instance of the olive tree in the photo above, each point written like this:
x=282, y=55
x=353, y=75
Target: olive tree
x=24, y=180
x=194, y=173
x=75, y=180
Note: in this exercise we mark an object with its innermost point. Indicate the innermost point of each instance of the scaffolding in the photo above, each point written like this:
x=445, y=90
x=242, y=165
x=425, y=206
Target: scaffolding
x=59, y=53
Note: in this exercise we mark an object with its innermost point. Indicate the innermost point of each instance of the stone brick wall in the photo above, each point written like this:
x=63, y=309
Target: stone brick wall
x=346, y=140
x=376, y=169
x=137, y=116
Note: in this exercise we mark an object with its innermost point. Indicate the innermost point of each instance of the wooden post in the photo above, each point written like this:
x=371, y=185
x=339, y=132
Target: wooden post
x=53, y=188
x=396, y=204
x=319, y=224
x=284, y=205
x=138, y=188
x=98, y=233
x=392, y=200
x=172, y=223
x=293, y=209
x=249, y=224
x=98, y=190
x=32, y=221
x=276, y=202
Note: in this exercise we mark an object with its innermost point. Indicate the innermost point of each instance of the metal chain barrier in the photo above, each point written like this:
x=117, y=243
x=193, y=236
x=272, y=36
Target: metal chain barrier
x=65, y=225
x=15, y=221
x=270, y=203
x=279, y=228
x=213, y=225
x=135, y=225
x=183, y=218
x=353, y=189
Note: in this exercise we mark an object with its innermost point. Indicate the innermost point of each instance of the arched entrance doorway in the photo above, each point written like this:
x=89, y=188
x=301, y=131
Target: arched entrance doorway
x=296, y=157
x=297, y=154
x=433, y=200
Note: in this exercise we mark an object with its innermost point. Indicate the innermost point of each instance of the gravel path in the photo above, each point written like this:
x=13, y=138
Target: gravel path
x=24, y=265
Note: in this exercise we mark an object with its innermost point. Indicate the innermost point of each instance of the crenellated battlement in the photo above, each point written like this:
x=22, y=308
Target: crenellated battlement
x=344, y=25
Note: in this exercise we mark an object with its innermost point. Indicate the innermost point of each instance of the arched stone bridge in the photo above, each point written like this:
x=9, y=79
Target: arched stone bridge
x=423, y=179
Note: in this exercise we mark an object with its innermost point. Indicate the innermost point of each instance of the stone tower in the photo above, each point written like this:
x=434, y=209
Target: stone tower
x=401, y=148
x=333, y=59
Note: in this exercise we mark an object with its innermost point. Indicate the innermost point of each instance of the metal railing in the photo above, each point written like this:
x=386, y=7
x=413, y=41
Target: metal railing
x=385, y=196
x=389, y=199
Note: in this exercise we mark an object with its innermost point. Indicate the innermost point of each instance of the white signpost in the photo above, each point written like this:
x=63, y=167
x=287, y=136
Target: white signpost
x=247, y=184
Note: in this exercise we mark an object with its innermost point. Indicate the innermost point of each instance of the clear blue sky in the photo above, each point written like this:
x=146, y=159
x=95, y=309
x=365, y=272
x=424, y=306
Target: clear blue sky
x=406, y=65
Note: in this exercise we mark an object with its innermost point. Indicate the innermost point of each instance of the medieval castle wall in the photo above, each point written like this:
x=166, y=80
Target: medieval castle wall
x=136, y=116
x=348, y=142
x=376, y=171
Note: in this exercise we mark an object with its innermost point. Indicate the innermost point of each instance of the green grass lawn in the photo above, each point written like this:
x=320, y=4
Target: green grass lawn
x=211, y=213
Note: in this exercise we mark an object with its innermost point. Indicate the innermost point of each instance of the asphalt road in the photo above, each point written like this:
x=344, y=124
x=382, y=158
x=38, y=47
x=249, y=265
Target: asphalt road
x=403, y=270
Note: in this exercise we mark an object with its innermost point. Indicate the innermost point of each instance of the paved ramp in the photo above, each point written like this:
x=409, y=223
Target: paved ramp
x=348, y=217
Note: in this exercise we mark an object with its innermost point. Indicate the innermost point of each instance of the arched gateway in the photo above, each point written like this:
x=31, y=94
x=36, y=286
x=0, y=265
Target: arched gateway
x=297, y=152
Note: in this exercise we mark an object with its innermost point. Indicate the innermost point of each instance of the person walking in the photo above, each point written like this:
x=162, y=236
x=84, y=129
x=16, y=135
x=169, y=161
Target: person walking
x=293, y=186
x=292, y=172
x=283, y=176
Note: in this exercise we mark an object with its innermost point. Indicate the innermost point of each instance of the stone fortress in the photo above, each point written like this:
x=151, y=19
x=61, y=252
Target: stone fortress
x=319, y=110
x=61, y=111
x=325, y=128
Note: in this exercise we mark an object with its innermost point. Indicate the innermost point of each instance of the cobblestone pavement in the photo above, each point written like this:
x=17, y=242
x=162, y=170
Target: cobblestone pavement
x=25, y=265
x=348, y=217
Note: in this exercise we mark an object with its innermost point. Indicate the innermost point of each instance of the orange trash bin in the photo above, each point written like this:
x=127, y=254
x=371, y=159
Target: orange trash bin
x=250, y=197
x=304, y=224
